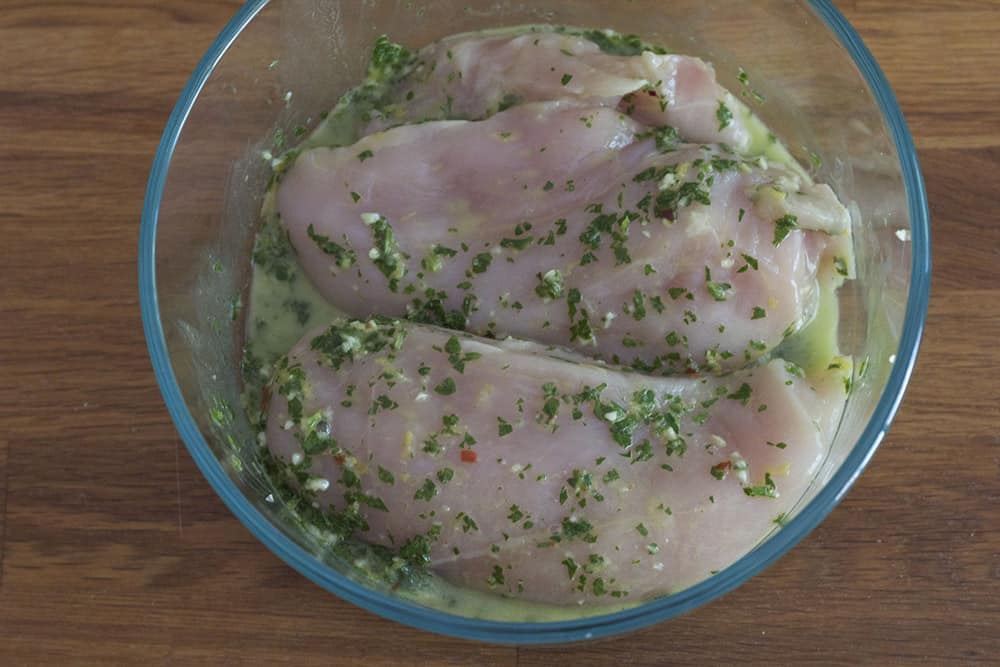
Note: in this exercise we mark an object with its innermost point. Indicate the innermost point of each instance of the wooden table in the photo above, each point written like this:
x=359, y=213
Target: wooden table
x=113, y=548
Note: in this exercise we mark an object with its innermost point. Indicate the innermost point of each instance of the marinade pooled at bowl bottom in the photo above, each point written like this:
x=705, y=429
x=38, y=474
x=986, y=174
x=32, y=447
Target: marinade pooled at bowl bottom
x=733, y=489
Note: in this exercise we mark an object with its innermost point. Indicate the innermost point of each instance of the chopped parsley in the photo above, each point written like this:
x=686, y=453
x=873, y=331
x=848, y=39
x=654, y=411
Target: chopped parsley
x=751, y=263
x=517, y=244
x=496, y=578
x=782, y=226
x=578, y=529
x=638, y=306
x=345, y=342
x=453, y=347
x=765, y=490
x=385, y=253
x=724, y=116
x=616, y=44
x=742, y=394
x=343, y=257
x=426, y=491
x=667, y=139
x=550, y=284
x=671, y=199
x=481, y=262
x=446, y=387
x=719, y=291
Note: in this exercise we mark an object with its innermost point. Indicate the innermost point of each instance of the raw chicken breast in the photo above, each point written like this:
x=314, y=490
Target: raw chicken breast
x=537, y=476
x=473, y=76
x=565, y=225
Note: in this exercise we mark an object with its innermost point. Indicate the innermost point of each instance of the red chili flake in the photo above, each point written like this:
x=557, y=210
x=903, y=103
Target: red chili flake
x=468, y=456
x=339, y=458
x=720, y=470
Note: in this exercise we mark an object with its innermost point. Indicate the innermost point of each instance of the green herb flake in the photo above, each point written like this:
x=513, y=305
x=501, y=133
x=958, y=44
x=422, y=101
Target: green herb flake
x=416, y=550
x=742, y=394
x=758, y=313
x=765, y=490
x=667, y=138
x=426, y=491
x=751, y=263
x=468, y=524
x=385, y=476
x=638, y=305
x=342, y=257
x=385, y=253
x=495, y=579
x=481, y=262
x=723, y=115
x=517, y=244
x=616, y=44
x=550, y=284
x=782, y=226
x=578, y=528
x=446, y=387
x=718, y=291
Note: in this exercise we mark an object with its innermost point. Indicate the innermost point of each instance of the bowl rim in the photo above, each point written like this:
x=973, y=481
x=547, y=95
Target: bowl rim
x=594, y=626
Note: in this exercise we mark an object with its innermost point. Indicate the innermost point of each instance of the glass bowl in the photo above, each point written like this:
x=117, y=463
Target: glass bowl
x=277, y=65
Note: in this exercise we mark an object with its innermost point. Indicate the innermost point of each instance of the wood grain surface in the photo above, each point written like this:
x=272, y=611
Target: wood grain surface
x=113, y=548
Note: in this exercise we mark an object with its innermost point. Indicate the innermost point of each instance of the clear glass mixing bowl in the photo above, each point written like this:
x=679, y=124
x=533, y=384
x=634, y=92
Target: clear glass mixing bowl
x=277, y=65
